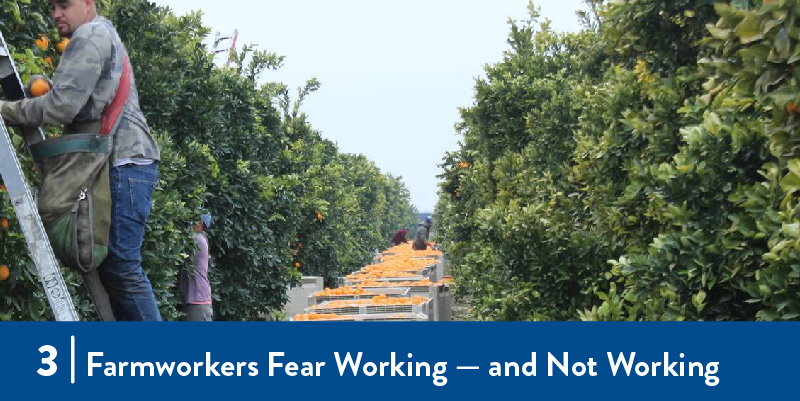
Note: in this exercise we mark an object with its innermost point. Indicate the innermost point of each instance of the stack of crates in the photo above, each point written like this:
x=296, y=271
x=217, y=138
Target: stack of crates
x=398, y=273
x=366, y=308
x=315, y=299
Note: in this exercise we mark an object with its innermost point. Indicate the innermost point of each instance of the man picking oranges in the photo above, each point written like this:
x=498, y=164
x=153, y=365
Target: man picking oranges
x=86, y=83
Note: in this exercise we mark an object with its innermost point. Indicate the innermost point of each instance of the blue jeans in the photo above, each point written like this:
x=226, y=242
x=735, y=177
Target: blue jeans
x=129, y=290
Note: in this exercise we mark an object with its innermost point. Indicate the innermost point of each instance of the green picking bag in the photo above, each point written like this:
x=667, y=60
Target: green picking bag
x=75, y=197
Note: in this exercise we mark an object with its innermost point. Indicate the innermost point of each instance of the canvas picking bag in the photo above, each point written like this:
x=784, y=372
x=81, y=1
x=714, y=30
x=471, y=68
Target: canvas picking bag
x=75, y=197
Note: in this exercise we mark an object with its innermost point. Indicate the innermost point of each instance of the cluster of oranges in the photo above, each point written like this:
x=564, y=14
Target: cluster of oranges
x=331, y=317
x=404, y=251
x=379, y=300
x=318, y=316
x=40, y=87
x=395, y=264
x=43, y=43
x=371, y=276
x=420, y=283
x=344, y=303
x=384, y=300
x=398, y=262
x=342, y=291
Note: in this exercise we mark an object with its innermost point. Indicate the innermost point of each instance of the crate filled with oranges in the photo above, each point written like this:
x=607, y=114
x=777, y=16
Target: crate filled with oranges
x=377, y=304
x=351, y=293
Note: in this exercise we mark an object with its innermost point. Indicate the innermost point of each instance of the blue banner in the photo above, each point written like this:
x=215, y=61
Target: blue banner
x=362, y=361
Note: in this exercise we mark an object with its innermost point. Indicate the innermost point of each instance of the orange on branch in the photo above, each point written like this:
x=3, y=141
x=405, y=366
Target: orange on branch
x=62, y=45
x=42, y=43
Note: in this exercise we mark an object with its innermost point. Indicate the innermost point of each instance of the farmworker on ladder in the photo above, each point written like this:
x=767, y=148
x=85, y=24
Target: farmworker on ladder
x=85, y=82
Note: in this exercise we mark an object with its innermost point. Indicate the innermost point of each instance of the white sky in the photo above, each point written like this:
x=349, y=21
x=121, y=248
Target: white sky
x=393, y=74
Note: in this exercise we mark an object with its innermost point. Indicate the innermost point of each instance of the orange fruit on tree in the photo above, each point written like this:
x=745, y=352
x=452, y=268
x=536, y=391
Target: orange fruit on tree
x=42, y=43
x=297, y=264
x=4, y=273
x=48, y=60
x=62, y=45
x=3, y=223
x=39, y=87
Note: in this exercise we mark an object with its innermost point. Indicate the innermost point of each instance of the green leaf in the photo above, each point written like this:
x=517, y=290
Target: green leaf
x=790, y=183
x=749, y=30
x=783, y=44
x=719, y=33
x=791, y=230
x=783, y=95
x=794, y=166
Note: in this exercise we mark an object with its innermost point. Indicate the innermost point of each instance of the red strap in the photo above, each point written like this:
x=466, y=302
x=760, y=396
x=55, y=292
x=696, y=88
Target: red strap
x=113, y=110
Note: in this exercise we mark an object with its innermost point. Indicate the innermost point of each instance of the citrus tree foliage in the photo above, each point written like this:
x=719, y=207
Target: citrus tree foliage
x=285, y=202
x=644, y=168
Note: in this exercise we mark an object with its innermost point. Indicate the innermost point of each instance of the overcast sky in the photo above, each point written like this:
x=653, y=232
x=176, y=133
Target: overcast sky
x=393, y=73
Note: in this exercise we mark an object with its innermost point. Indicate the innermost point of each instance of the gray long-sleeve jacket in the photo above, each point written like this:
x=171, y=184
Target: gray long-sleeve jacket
x=85, y=81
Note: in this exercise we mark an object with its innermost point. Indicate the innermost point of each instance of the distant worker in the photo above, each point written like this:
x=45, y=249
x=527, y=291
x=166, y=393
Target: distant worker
x=421, y=241
x=400, y=237
x=195, y=288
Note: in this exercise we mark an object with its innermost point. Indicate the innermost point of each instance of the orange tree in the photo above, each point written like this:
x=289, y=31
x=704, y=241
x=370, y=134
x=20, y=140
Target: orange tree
x=271, y=180
x=651, y=174
x=226, y=148
x=348, y=208
x=506, y=215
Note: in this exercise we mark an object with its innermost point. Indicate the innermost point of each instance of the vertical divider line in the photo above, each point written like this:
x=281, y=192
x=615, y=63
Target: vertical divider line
x=72, y=360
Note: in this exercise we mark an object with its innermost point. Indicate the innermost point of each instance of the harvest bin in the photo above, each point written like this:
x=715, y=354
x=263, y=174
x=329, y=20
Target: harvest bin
x=392, y=292
x=382, y=317
x=442, y=304
x=424, y=308
x=298, y=295
x=435, y=271
x=348, y=283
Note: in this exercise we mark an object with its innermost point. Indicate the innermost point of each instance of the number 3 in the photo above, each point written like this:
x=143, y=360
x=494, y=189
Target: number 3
x=51, y=370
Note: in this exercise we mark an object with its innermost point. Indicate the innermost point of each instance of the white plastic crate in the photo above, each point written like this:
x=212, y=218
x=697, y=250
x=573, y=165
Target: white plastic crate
x=424, y=308
x=380, y=317
x=436, y=270
x=423, y=272
x=419, y=290
x=393, y=317
x=400, y=279
x=412, y=290
x=348, y=282
x=389, y=292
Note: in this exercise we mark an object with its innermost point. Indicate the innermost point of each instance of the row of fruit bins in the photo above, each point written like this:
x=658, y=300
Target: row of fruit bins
x=400, y=286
